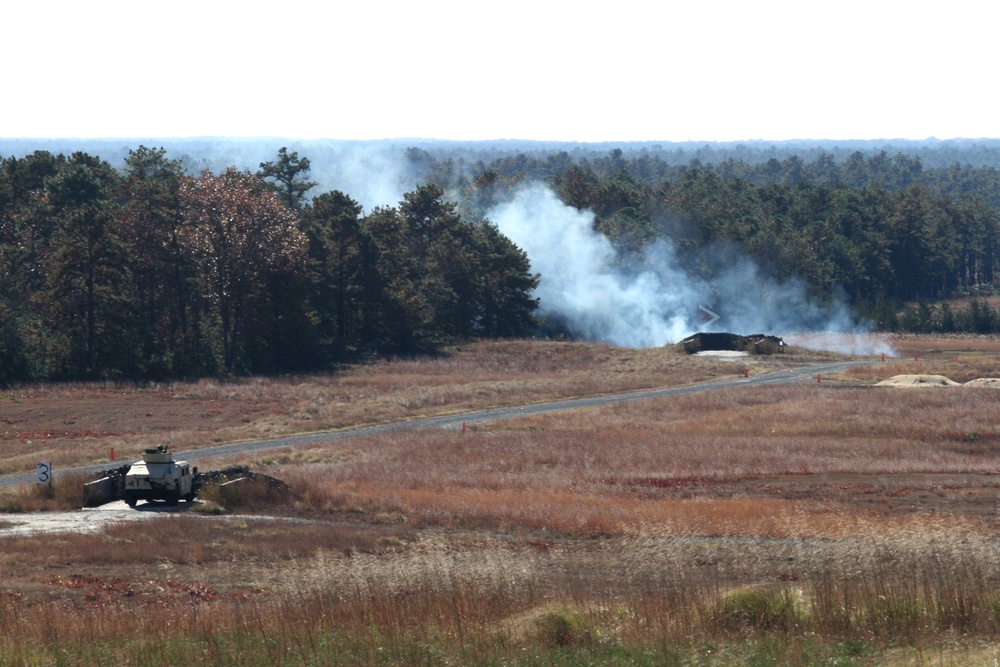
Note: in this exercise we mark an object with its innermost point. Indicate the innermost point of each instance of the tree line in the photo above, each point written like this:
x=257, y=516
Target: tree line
x=880, y=230
x=148, y=272
x=977, y=317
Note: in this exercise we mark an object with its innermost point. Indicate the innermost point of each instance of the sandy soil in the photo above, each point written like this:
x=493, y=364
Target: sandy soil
x=923, y=381
x=989, y=383
x=90, y=519
x=920, y=381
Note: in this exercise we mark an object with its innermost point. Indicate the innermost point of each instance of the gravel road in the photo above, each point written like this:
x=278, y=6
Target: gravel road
x=798, y=375
x=92, y=519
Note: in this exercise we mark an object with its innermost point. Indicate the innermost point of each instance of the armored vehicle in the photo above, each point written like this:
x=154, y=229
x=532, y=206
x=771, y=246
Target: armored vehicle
x=159, y=477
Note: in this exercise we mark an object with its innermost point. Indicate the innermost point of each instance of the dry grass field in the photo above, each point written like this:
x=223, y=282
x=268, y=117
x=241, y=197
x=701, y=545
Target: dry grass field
x=75, y=424
x=833, y=523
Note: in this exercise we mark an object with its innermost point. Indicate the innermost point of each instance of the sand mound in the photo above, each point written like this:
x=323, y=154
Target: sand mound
x=992, y=383
x=918, y=381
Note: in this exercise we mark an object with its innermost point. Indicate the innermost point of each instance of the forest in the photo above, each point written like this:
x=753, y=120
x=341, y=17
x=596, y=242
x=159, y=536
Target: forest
x=160, y=267
x=149, y=272
x=892, y=238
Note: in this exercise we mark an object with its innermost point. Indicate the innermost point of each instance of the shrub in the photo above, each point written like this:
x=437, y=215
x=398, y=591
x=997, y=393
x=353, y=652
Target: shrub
x=757, y=610
x=245, y=494
x=65, y=493
x=562, y=627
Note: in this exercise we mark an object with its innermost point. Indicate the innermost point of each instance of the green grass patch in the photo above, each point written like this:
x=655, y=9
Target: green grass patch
x=250, y=649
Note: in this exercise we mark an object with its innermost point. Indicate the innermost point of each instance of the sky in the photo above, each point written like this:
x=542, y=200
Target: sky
x=539, y=70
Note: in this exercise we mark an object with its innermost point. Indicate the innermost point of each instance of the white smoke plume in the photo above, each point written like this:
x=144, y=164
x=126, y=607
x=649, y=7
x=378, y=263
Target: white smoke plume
x=579, y=285
x=584, y=286
x=656, y=302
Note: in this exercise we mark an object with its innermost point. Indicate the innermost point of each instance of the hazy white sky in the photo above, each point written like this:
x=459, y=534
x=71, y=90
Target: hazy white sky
x=547, y=70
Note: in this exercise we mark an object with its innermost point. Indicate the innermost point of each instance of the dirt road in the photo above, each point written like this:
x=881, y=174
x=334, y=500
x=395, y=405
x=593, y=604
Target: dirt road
x=804, y=374
x=92, y=519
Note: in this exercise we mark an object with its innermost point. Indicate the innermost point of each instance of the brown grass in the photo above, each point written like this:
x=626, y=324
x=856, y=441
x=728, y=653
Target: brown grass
x=828, y=511
x=960, y=365
x=185, y=539
x=945, y=343
x=65, y=492
x=75, y=424
x=494, y=600
x=714, y=463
